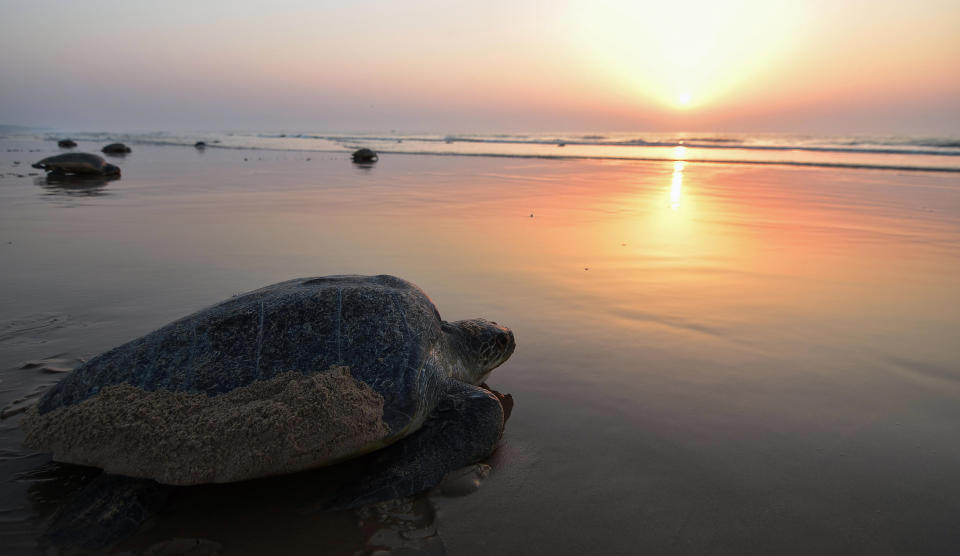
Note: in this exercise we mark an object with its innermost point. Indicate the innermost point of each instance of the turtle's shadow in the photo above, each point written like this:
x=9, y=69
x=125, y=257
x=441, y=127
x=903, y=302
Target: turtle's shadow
x=83, y=507
x=365, y=167
x=74, y=185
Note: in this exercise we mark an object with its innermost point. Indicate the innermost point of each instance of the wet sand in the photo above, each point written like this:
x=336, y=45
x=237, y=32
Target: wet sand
x=710, y=358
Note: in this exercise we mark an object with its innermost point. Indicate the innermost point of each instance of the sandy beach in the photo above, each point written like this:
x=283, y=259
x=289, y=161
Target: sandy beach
x=710, y=358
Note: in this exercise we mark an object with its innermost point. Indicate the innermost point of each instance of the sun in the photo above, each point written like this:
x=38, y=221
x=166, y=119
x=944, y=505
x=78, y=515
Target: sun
x=690, y=55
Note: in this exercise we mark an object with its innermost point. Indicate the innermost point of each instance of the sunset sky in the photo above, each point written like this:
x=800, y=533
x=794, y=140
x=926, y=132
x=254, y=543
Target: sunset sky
x=519, y=65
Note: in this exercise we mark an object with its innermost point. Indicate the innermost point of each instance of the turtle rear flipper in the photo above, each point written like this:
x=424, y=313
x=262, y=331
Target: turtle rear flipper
x=463, y=429
x=107, y=510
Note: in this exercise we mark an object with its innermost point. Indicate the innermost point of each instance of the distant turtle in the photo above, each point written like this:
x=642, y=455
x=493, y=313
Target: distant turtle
x=81, y=164
x=116, y=148
x=289, y=377
x=364, y=156
x=66, y=143
x=199, y=145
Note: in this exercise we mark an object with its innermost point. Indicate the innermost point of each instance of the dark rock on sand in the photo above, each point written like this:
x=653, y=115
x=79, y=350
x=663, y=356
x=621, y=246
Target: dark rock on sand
x=116, y=148
x=200, y=145
x=364, y=156
x=80, y=164
x=66, y=143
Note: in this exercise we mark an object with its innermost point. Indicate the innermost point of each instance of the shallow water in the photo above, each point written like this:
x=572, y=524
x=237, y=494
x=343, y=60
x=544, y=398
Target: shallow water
x=711, y=358
x=941, y=154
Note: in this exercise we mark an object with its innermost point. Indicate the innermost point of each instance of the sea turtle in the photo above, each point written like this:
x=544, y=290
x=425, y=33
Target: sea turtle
x=78, y=164
x=293, y=376
x=364, y=156
x=66, y=143
x=116, y=148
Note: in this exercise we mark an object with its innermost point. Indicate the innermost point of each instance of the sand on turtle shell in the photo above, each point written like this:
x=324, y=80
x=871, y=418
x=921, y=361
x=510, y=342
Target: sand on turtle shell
x=289, y=423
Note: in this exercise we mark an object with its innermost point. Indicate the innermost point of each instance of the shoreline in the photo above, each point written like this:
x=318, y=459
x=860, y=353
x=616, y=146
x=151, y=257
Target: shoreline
x=836, y=156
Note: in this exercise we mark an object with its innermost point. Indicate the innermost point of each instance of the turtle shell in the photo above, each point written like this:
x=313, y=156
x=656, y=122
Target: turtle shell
x=77, y=163
x=116, y=148
x=364, y=156
x=382, y=327
x=292, y=376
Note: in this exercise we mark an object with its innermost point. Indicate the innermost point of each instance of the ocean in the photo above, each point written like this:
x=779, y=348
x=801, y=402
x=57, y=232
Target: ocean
x=874, y=152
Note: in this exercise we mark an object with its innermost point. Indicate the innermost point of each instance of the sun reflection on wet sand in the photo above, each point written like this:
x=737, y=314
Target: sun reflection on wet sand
x=676, y=187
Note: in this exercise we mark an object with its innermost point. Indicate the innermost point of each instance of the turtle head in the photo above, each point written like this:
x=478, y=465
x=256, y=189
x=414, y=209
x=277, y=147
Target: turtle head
x=483, y=346
x=111, y=170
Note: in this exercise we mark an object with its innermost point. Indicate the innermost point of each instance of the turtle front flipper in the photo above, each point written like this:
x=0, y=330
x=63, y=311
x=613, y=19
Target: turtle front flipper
x=463, y=429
